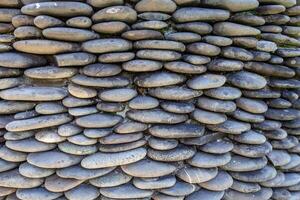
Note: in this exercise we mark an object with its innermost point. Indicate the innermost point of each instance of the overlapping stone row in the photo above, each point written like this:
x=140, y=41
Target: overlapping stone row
x=149, y=99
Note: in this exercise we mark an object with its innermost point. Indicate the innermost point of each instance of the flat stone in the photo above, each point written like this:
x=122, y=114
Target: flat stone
x=206, y=194
x=71, y=59
x=270, y=70
x=207, y=160
x=142, y=34
x=74, y=149
x=245, y=187
x=50, y=72
x=110, y=27
x=252, y=105
x=34, y=94
x=62, y=9
x=262, y=93
x=32, y=171
x=37, y=193
x=20, y=60
x=79, y=22
x=13, y=179
x=177, y=107
x=206, y=81
x=49, y=108
x=216, y=105
x=69, y=34
x=67, y=130
x=203, y=49
x=38, y=122
x=220, y=146
x=100, y=160
x=57, y=184
x=177, y=131
x=179, y=189
x=118, y=95
x=115, y=13
x=11, y=107
x=55, y=159
x=29, y=145
x=261, y=175
x=45, y=47
x=97, y=133
x=233, y=29
x=186, y=68
x=200, y=14
x=286, y=143
x=267, y=125
x=155, y=116
x=114, y=178
x=207, y=117
x=250, y=137
x=263, y=194
x=18, y=135
x=217, y=40
x=184, y=37
x=6, y=165
x=159, y=55
x=154, y=183
x=282, y=114
x=277, y=134
x=85, y=191
x=224, y=65
x=139, y=65
x=252, y=151
x=98, y=120
x=110, y=107
x=113, y=148
x=72, y=102
x=104, y=3
x=101, y=70
x=82, y=140
x=244, y=164
x=157, y=16
x=224, y=93
x=237, y=53
x=105, y=82
x=247, y=117
x=159, y=44
x=174, y=93
x=7, y=191
x=116, y=57
x=221, y=182
x=279, y=157
x=179, y=153
x=196, y=175
x=125, y=191
x=143, y=102
x=45, y=21
x=233, y=6
x=11, y=155
x=82, y=111
x=231, y=127
x=167, y=6
x=148, y=169
x=155, y=24
x=121, y=138
x=162, y=144
x=279, y=103
x=247, y=80
x=130, y=127
x=106, y=45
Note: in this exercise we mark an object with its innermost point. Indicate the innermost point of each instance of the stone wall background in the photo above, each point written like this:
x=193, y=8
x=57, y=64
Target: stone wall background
x=161, y=99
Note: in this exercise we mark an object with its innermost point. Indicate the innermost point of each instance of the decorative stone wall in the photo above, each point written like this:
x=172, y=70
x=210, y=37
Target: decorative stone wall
x=149, y=99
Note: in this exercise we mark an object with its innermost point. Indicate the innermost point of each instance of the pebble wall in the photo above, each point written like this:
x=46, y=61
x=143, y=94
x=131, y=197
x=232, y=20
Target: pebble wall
x=149, y=99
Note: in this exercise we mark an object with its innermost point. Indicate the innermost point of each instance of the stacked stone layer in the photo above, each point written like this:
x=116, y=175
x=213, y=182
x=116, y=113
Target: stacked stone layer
x=149, y=99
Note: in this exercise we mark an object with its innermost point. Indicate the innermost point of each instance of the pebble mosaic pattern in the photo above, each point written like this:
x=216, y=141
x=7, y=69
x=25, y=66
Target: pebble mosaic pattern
x=149, y=99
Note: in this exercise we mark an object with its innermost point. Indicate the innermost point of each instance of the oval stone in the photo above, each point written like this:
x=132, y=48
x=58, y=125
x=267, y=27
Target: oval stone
x=36, y=193
x=233, y=29
x=38, y=122
x=247, y=80
x=100, y=120
x=106, y=45
x=156, y=116
x=115, y=13
x=206, y=81
x=53, y=159
x=101, y=160
x=61, y=9
x=177, y=131
x=20, y=60
x=196, y=175
x=118, y=95
x=148, y=169
x=13, y=179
